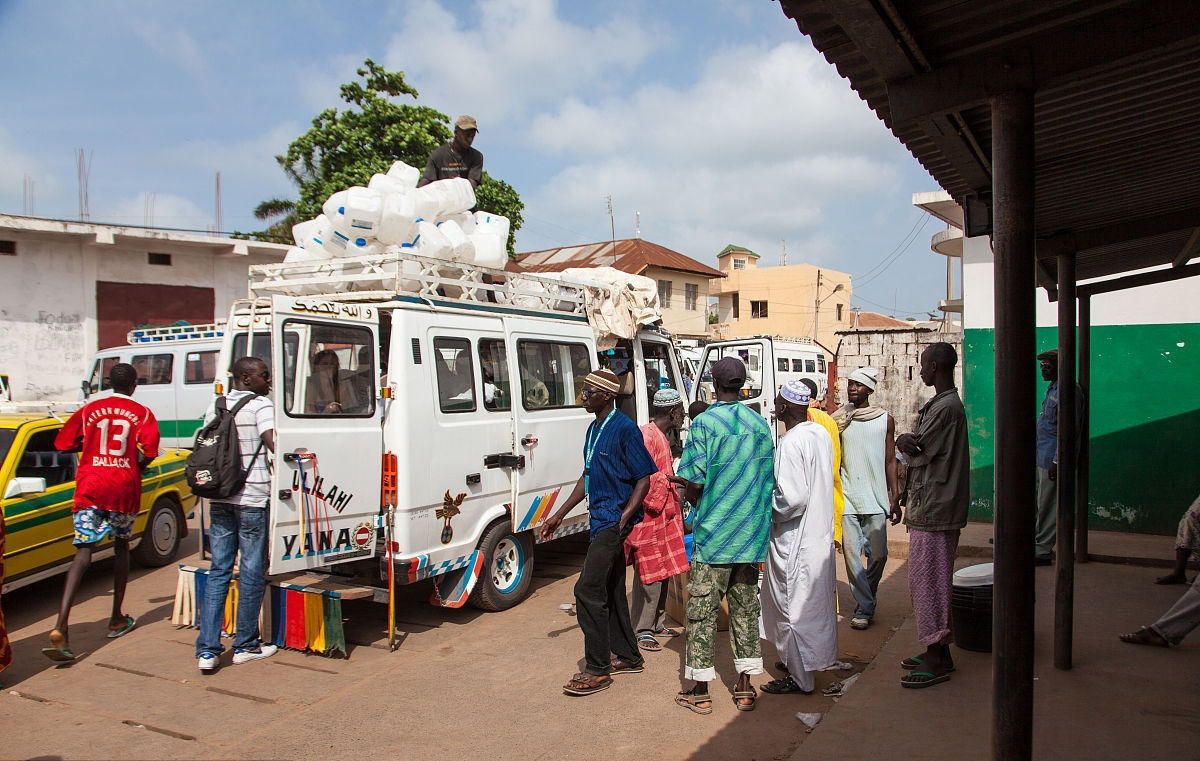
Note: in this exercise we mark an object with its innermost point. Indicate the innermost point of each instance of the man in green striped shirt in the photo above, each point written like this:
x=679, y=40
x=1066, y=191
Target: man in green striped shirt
x=728, y=471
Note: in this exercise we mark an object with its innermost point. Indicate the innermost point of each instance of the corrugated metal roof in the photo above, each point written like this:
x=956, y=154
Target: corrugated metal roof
x=632, y=255
x=1117, y=136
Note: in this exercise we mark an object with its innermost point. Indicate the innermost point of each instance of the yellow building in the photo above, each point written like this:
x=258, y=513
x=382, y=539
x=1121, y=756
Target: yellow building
x=683, y=283
x=793, y=300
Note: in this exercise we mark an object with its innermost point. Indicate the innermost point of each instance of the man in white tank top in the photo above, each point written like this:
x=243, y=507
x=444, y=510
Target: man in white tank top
x=870, y=489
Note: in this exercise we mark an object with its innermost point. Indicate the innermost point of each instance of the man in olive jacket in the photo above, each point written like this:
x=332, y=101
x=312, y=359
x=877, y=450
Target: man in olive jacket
x=938, y=494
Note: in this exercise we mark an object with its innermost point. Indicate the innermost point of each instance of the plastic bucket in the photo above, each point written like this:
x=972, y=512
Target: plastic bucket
x=971, y=608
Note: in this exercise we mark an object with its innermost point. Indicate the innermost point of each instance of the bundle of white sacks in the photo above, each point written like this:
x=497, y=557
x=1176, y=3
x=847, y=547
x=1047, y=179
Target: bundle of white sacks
x=392, y=214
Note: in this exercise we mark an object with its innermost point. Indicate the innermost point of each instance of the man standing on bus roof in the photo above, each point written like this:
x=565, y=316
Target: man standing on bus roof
x=118, y=438
x=616, y=477
x=239, y=524
x=456, y=158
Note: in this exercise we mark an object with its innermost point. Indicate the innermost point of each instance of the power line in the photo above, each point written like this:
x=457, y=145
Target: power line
x=898, y=252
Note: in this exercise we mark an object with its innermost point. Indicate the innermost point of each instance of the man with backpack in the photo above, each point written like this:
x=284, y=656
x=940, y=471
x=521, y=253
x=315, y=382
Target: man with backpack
x=238, y=517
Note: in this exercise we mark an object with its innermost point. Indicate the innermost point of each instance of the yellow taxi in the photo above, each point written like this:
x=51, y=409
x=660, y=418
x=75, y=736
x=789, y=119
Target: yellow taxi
x=39, y=485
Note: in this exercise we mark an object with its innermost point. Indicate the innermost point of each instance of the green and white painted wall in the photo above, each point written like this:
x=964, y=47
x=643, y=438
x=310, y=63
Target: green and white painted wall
x=1145, y=396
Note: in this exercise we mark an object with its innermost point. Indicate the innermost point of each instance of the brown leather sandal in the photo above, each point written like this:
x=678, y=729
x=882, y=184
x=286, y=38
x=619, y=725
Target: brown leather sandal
x=587, y=684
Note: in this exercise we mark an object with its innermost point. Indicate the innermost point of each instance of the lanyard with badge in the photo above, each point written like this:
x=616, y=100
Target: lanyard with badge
x=590, y=449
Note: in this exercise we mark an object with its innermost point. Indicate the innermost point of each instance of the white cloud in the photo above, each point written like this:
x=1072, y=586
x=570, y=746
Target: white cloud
x=759, y=148
x=15, y=166
x=173, y=43
x=155, y=209
x=512, y=54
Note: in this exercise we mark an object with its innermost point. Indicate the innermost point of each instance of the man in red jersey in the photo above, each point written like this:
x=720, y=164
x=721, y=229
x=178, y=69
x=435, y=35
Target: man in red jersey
x=118, y=438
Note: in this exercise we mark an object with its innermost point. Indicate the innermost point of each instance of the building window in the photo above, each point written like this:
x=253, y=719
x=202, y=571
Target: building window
x=664, y=293
x=739, y=264
x=8, y=248
x=163, y=259
x=736, y=306
x=691, y=294
x=839, y=312
x=758, y=310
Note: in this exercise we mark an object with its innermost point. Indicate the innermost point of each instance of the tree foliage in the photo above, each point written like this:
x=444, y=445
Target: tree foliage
x=345, y=147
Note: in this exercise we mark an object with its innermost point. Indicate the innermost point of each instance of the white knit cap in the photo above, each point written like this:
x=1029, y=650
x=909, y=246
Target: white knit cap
x=868, y=376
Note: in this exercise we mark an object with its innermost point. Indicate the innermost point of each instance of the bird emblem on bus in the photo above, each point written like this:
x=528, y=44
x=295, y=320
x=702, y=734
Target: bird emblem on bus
x=449, y=509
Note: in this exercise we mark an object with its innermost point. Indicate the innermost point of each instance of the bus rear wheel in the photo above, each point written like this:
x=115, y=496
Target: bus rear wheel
x=507, y=575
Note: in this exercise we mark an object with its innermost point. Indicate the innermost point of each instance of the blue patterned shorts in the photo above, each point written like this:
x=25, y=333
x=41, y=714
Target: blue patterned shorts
x=93, y=524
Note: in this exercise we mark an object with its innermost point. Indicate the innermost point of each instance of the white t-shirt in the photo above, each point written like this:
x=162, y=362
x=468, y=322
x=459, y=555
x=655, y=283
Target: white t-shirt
x=253, y=420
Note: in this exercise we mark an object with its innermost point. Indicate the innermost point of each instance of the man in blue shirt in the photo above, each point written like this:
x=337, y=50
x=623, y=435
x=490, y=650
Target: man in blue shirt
x=1047, y=458
x=616, y=476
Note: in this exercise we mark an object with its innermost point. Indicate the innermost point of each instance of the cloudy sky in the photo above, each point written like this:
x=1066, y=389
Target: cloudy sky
x=714, y=119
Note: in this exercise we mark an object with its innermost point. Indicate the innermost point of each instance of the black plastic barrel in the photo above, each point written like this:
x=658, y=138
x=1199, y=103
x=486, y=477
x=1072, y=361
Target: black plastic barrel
x=971, y=617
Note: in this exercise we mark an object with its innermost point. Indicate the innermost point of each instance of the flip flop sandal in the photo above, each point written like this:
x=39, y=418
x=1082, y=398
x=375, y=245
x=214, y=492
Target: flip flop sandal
x=59, y=654
x=915, y=662
x=739, y=695
x=625, y=667
x=667, y=631
x=586, y=684
x=130, y=622
x=649, y=643
x=690, y=701
x=918, y=680
x=785, y=686
x=1145, y=636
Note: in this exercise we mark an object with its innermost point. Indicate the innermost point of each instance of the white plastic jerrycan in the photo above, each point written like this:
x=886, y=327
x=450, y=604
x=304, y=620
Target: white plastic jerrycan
x=397, y=223
x=409, y=176
x=430, y=241
x=363, y=209
x=461, y=247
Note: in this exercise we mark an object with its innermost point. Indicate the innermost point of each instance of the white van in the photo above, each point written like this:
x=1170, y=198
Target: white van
x=468, y=404
x=771, y=361
x=176, y=368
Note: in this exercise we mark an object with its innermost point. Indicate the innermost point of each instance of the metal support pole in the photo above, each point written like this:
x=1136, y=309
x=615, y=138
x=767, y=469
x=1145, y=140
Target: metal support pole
x=1085, y=430
x=1016, y=405
x=1068, y=442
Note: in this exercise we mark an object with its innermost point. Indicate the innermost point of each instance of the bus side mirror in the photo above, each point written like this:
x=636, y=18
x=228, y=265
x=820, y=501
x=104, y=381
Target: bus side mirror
x=86, y=388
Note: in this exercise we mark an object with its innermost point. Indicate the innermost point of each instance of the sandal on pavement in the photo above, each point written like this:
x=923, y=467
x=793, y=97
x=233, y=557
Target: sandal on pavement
x=785, y=686
x=130, y=622
x=649, y=643
x=620, y=666
x=915, y=662
x=667, y=631
x=921, y=679
x=859, y=623
x=59, y=654
x=692, y=701
x=587, y=684
x=740, y=695
x=1145, y=636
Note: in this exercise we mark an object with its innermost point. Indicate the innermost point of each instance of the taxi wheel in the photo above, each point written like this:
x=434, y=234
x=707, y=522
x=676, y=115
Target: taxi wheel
x=160, y=540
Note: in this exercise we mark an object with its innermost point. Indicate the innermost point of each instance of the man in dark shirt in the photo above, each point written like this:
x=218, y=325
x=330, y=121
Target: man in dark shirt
x=616, y=477
x=938, y=494
x=456, y=158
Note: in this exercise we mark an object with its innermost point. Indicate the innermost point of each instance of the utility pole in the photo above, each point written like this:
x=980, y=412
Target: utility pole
x=817, y=307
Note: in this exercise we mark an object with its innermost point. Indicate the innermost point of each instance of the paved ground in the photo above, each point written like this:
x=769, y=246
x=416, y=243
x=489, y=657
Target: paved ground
x=464, y=684
x=470, y=684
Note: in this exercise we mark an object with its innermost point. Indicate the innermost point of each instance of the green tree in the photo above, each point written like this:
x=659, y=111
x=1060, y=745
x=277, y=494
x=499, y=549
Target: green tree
x=344, y=148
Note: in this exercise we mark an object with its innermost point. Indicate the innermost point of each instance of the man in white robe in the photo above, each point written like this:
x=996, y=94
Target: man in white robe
x=799, y=605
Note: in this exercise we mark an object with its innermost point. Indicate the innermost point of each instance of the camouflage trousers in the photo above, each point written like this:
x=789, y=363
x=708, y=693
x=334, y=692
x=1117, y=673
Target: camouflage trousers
x=738, y=582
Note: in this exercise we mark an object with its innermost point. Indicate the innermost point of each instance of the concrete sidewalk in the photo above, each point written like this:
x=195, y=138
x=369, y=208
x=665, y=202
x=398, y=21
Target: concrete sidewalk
x=1119, y=701
x=1103, y=546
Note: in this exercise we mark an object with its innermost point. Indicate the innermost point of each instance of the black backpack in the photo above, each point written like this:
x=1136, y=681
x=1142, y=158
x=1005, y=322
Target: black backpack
x=214, y=467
